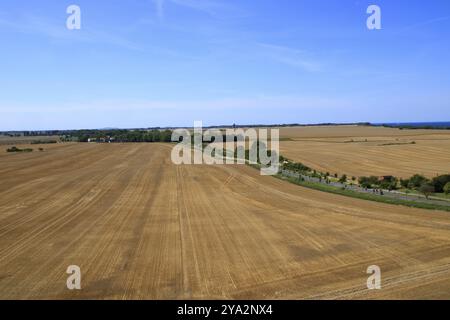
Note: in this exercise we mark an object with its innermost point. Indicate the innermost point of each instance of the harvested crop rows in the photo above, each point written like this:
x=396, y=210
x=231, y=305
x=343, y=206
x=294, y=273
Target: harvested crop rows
x=364, y=151
x=140, y=227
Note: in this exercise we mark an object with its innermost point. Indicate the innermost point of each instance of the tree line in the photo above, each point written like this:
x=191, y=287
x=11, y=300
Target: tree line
x=438, y=184
x=123, y=136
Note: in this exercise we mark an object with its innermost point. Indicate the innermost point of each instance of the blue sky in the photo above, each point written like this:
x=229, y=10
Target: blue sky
x=143, y=63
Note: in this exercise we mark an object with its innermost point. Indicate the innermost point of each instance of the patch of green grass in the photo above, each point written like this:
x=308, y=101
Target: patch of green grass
x=442, y=196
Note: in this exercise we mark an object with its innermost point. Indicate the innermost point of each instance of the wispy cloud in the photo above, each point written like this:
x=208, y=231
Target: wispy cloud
x=207, y=6
x=290, y=56
x=424, y=23
x=35, y=25
x=210, y=7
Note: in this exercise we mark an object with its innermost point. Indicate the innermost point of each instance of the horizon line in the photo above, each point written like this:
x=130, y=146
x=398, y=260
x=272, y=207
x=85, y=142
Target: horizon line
x=360, y=123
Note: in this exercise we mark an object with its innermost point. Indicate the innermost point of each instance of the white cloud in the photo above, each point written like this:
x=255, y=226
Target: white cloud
x=30, y=24
x=210, y=7
x=424, y=23
x=290, y=56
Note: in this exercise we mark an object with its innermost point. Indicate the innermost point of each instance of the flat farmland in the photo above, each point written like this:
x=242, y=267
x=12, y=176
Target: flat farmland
x=363, y=151
x=140, y=227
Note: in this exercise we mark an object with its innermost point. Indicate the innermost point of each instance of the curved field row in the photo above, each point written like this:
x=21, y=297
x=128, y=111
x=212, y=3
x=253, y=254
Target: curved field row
x=140, y=227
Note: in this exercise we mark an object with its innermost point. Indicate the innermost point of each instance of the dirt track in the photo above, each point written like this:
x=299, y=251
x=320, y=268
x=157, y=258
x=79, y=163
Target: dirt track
x=142, y=228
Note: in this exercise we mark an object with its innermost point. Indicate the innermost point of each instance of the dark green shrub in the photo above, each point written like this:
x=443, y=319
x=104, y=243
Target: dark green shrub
x=440, y=182
x=447, y=188
x=15, y=149
x=416, y=181
x=368, y=182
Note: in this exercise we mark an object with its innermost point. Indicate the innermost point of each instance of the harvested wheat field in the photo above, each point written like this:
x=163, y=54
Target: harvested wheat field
x=140, y=227
x=364, y=151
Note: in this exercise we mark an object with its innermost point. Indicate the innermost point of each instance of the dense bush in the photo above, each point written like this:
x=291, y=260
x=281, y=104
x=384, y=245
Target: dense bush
x=389, y=183
x=368, y=182
x=416, y=181
x=447, y=188
x=404, y=183
x=440, y=182
x=15, y=149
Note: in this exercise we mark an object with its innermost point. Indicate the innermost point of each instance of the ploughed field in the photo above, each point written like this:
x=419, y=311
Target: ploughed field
x=364, y=151
x=140, y=227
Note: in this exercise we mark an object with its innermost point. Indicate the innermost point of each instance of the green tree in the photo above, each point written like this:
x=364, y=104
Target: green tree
x=389, y=184
x=156, y=135
x=368, y=182
x=440, y=181
x=148, y=137
x=447, y=188
x=416, y=181
x=404, y=183
x=427, y=189
x=343, y=179
x=166, y=136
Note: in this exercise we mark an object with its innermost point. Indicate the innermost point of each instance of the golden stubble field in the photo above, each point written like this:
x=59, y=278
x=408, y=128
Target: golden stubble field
x=142, y=228
x=363, y=151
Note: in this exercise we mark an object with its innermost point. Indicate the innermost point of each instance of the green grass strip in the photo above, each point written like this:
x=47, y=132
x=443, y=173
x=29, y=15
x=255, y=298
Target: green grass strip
x=364, y=196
